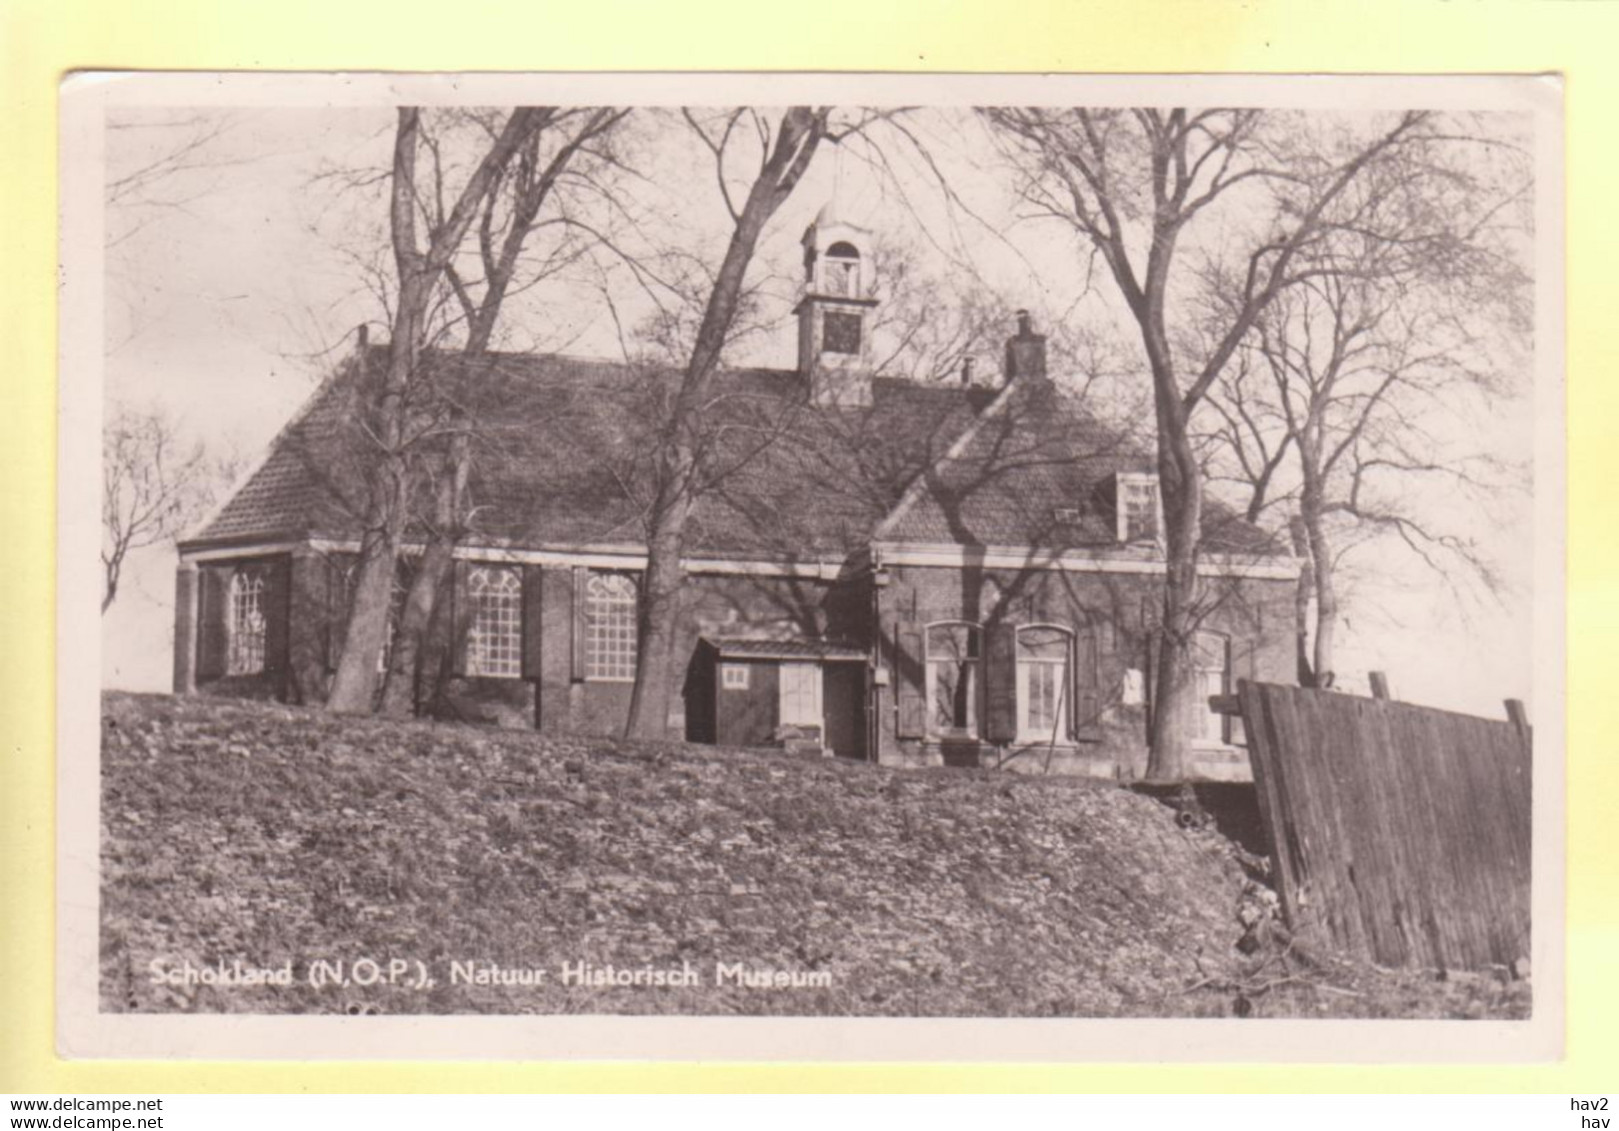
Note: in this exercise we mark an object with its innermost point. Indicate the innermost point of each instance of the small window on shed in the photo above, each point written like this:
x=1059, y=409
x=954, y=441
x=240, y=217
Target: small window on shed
x=734, y=677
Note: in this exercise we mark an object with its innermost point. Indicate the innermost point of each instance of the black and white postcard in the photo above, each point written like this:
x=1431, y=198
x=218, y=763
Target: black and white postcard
x=811, y=567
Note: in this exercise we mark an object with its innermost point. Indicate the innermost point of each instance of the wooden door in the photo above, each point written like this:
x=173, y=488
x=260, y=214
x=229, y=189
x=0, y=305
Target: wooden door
x=844, y=699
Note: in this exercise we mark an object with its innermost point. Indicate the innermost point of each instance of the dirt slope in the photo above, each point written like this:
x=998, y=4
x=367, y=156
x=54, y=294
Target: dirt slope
x=272, y=835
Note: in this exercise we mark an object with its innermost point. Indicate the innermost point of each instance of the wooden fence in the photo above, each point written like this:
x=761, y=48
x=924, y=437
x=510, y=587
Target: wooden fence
x=1403, y=830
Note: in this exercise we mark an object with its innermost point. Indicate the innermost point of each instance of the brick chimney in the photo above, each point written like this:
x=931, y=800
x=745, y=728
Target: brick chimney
x=1026, y=352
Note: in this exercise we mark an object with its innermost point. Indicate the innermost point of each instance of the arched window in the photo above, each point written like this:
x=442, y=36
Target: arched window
x=246, y=655
x=1044, y=684
x=954, y=686
x=840, y=270
x=495, y=634
x=1211, y=671
x=610, y=627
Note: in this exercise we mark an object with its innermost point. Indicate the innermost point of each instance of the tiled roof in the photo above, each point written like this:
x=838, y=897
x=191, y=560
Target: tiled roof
x=562, y=447
x=1038, y=471
x=562, y=454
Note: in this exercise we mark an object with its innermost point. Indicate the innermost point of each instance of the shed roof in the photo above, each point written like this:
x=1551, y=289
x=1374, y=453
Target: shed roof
x=739, y=648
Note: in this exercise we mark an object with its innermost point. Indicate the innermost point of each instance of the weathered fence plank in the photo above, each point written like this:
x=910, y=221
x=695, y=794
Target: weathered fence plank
x=1402, y=830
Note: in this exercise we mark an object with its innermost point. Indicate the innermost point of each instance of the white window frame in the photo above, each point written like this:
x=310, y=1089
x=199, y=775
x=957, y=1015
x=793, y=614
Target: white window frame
x=799, y=694
x=975, y=666
x=1062, y=730
x=841, y=274
x=245, y=651
x=495, y=629
x=734, y=677
x=1209, y=726
x=612, y=639
x=1124, y=483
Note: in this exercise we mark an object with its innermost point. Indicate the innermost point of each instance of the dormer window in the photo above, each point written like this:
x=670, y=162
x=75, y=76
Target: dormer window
x=1137, y=506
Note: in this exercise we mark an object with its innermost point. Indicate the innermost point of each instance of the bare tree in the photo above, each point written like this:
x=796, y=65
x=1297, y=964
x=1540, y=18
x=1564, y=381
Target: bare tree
x=153, y=486
x=420, y=271
x=158, y=180
x=786, y=149
x=159, y=164
x=511, y=213
x=1131, y=184
x=1342, y=407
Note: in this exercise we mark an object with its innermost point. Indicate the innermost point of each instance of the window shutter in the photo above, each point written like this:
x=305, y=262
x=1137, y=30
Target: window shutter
x=533, y=580
x=1151, y=674
x=1000, y=678
x=277, y=618
x=337, y=607
x=213, y=625
x=460, y=619
x=1086, y=717
x=1241, y=663
x=910, y=679
x=576, y=650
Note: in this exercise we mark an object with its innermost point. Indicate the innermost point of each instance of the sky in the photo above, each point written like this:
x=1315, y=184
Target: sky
x=229, y=294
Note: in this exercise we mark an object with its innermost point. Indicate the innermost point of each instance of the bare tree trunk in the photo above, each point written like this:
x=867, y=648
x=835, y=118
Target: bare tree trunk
x=110, y=591
x=1302, y=593
x=406, y=683
x=354, y=687
x=802, y=129
x=1075, y=147
x=659, y=619
x=1326, y=604
x=1175, y=697
x=659, y=604
x=405, y=688
x=414, y=677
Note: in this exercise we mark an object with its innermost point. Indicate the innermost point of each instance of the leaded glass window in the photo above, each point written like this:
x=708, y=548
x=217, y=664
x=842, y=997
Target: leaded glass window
x=247, y=624
x=495, y=633
x=610, y=600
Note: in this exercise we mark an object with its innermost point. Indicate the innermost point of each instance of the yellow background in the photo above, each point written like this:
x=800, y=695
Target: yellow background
x=41, y=39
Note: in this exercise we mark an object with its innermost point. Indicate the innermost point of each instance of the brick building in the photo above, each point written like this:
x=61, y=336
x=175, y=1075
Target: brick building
x=909, y=573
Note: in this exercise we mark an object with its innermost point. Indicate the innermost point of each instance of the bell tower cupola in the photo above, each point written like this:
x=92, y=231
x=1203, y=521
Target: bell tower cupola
x=834, y=312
